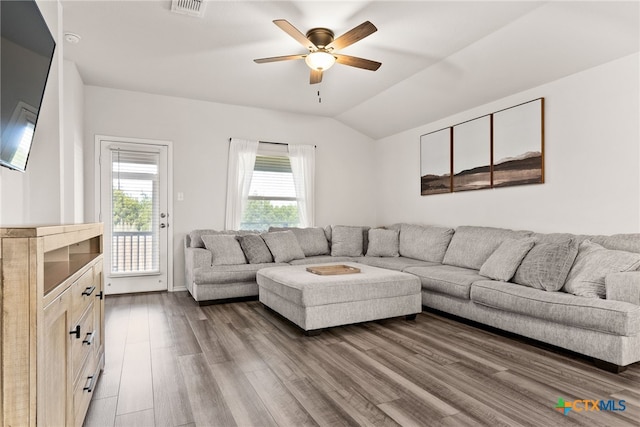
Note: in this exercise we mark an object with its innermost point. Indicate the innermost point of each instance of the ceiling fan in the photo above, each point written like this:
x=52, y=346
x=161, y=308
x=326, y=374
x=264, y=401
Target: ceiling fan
x=322, y=47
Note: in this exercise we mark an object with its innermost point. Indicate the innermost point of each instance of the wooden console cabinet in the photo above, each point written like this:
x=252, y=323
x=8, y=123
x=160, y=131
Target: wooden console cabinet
x=51, y=323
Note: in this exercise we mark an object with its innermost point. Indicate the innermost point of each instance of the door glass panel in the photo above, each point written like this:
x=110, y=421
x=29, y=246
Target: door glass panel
x=135, y=211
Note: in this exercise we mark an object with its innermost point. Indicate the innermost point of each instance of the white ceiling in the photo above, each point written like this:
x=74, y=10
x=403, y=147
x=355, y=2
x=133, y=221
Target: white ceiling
x=438, y=57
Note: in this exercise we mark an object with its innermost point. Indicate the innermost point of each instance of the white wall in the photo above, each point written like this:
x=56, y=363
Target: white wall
x=592, y=163
x=72, y=193
x=200, y=133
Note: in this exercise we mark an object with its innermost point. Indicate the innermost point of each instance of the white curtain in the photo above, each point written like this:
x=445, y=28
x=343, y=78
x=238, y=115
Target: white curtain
x=242, y=159
x=303, y=167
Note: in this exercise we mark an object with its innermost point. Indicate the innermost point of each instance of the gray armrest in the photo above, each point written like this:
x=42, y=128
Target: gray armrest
x=194, y=258
x=623, y=287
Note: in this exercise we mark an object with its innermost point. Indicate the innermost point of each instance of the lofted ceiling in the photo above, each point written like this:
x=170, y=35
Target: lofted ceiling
x=438, y=57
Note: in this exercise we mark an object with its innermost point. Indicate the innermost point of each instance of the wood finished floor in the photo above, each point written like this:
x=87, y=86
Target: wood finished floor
x=170, y=362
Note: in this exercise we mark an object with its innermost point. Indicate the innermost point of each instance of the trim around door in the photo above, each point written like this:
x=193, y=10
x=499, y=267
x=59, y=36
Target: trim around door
x=97, y=189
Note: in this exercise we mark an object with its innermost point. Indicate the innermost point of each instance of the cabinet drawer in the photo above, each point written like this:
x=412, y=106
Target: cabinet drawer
x=83, y=291
x=84, y=390
x=83, y=335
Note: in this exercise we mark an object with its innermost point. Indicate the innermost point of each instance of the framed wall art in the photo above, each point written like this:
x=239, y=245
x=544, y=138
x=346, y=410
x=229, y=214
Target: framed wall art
x=472, y=154
x=501, y=149
x=518, y=145
x=435, y=162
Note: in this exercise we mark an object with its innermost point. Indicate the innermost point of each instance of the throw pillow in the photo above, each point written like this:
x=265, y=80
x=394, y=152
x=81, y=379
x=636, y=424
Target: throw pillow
x=504, y=261
x=312, y=240
x=196, y=236
x=593, y=263
x=225, y=248
x=383, y=242
x=283, y=246
x=426, y=243
x=347, y=241
x=546, y=265
x=255, y=249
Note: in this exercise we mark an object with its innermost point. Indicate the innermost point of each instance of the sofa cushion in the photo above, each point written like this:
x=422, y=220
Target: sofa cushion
x=546, y=265
x=394, y=263
x=611, y=317
x=255, y=249
x=312, y=240
x=224, y=274
x=619, y=242
x=347, y=240
x=383, y=243
x=623, y=286
x=225, y=249
x=427, y=243
x=504, y=261
x=587, y=276
x=283, y=245
x=446, y=279
x=471, y=246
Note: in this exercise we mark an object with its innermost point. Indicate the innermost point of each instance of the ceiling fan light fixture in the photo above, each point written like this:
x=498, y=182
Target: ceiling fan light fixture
x=320, y=60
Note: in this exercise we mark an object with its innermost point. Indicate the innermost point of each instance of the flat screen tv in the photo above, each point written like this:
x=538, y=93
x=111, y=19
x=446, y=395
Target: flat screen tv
x=26, y=53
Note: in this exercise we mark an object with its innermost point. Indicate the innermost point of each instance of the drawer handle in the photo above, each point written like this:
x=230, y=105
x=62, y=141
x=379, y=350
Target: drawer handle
x=76, y=332
x=88, y=340
x=100, y=295
x=89, y=291
x=88, y=386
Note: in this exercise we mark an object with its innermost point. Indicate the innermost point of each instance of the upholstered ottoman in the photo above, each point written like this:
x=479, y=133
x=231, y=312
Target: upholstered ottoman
x=314, y=302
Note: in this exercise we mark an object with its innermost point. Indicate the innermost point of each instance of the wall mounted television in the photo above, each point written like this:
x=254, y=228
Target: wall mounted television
x=26, y=53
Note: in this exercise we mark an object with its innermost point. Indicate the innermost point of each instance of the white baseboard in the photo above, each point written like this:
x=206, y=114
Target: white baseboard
x=178, y=289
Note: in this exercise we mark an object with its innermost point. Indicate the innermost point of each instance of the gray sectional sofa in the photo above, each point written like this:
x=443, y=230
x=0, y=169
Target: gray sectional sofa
x=577, y=292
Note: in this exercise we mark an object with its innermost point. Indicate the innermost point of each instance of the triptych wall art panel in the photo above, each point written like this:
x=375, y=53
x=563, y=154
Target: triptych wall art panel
x=500, y=149
x=472, y=154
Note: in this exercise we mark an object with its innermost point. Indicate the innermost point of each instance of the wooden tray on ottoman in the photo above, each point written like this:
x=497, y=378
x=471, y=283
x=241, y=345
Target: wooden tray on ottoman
x=330, y=270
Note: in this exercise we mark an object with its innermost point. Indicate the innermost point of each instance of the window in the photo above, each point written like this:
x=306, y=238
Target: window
x=272, y=200
x=269, y=184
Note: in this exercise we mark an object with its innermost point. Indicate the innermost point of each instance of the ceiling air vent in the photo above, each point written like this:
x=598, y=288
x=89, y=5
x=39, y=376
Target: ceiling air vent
x=188, y=7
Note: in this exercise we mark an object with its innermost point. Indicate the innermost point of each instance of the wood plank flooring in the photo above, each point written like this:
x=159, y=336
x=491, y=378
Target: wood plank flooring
x=170, y=362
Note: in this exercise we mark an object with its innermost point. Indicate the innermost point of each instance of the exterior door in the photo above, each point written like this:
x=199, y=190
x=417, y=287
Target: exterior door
x=134, y=210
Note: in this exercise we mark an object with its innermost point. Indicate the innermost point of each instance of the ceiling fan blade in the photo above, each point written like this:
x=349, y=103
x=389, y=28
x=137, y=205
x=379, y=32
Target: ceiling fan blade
x=295, y=33
x=350, y=37
x=354, y=61
x=278, y=58
x=316, y=77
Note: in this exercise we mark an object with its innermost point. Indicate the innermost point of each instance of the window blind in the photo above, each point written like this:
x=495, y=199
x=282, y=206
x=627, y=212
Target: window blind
x=135, y=211
x=272, y=179
x=272, y=195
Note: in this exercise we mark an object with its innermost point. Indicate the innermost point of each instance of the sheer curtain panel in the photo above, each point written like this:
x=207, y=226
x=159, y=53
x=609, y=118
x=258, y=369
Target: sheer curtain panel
x=303, y=167
x=242, y=158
